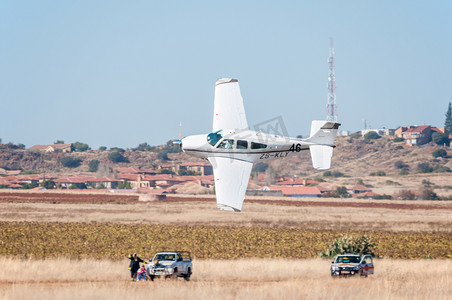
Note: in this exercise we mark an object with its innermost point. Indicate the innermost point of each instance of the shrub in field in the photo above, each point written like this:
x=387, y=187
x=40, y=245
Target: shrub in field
x=350, y=244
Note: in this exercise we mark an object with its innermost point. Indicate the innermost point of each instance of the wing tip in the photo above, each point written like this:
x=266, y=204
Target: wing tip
x=225, y=80
x=227, y=208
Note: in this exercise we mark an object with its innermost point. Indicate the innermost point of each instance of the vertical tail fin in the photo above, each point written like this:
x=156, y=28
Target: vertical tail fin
x=323, y=134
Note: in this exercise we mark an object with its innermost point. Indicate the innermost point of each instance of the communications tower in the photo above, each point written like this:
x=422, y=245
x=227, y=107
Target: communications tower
x=331, y=106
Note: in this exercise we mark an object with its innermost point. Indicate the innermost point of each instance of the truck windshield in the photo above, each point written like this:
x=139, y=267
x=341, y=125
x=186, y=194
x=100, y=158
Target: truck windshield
x=162, y=257
x=214, y=137
x=348, y=259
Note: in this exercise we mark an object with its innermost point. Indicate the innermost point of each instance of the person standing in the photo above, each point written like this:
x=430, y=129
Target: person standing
x=134, y=265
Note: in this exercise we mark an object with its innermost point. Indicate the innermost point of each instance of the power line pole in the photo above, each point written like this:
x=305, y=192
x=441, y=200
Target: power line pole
x=331, y=106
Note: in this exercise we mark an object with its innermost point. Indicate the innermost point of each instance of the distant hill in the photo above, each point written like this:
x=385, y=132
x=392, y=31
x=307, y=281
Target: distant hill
x=353, y=157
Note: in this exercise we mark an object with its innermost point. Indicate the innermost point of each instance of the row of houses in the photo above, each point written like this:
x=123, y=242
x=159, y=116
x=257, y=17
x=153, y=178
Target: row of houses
x=413, y=135
x=163, y=182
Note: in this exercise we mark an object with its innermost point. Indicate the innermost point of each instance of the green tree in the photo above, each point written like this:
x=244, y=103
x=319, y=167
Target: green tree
x=29, y=186
x=440, y=139
x=80, y=147
x=372, y=135
x=124, y=185
x=70, y=162
x=93, y=165
x=48, y=184
x=59, y=142
x=349, y=244
x=102, y=148
x=117, y=157
x=448, y=121
x=183, y=172
x=439, y=153
x=143, y=147
x=163, y=155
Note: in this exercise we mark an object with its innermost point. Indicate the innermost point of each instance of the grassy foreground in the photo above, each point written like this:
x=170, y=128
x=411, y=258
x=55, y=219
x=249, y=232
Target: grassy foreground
x=224, y=279
x=115, y=241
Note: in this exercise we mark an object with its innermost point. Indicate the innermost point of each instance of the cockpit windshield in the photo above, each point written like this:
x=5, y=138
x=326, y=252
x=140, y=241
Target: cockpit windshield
x=214, y=137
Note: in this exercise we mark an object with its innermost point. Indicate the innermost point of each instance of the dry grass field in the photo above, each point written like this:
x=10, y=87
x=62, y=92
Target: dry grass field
x=252, y=278
x=253, y=214
x=222, y=279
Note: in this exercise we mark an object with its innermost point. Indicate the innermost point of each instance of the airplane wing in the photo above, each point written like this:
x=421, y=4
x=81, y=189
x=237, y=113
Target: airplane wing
x=231, y=180
x=228, y=112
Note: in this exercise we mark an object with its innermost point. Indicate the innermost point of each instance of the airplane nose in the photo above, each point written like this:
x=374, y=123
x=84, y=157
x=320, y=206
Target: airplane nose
x=193, y=142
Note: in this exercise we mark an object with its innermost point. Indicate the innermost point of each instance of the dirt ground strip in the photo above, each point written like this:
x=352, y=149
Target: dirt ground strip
x=105, y=197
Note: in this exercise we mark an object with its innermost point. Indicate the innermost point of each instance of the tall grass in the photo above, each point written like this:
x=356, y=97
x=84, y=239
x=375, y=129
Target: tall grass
x=224, y=279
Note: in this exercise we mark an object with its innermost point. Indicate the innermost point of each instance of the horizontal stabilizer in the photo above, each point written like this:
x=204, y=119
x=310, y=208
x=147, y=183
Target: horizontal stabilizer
x=321, y=156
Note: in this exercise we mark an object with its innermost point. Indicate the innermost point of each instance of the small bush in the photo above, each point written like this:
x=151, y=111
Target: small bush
x=403, y=172
x=382, y=197
x=424, y=168
x=400, y=165
x=428, y=194
x=398, y=147
x=93, y=165
x=439, y=153
x=398, y=139
x=70, y=162
x=333, y=174
x=117, y=157
x=378, y=173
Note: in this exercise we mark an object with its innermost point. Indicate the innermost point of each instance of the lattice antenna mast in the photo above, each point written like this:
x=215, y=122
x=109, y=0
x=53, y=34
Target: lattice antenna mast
x=331, y=106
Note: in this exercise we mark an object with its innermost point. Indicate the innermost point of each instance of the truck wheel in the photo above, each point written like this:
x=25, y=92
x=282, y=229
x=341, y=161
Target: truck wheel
x=187, y=276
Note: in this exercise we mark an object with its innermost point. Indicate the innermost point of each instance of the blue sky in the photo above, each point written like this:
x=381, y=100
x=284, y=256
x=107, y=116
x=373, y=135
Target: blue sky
x=120, y=73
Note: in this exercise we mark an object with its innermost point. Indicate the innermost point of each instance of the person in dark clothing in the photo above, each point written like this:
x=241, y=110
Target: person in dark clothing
x=134, y=265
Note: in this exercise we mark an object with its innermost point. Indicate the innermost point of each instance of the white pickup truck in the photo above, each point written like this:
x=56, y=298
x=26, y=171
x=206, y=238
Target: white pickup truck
x=352, y=264
x=170, y=264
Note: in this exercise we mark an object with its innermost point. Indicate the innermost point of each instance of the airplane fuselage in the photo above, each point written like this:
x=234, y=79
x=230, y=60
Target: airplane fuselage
x=247, y=145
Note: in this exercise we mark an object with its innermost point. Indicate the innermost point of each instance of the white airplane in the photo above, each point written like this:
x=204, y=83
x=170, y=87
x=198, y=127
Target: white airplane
x=232, y=148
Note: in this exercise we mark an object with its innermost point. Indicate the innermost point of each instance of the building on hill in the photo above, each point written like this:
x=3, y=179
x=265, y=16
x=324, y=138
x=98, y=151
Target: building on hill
x=201, y=168
x=415, y=135
x=84, y=181
x=138, y=170
x=9, y=172
x=297, y=191
x=288, y=181
x=65, y=148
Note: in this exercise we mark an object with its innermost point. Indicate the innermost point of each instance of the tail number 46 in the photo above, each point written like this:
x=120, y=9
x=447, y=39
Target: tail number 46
x=296, y=148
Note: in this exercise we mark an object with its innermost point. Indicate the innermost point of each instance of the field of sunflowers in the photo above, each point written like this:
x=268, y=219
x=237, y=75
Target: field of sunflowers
x=116, y=241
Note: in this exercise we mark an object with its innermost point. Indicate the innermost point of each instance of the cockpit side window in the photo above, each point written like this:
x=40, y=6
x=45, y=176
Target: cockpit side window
x=258, y=145
x=226, y=144
x=242, y=144
x=214, y=137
